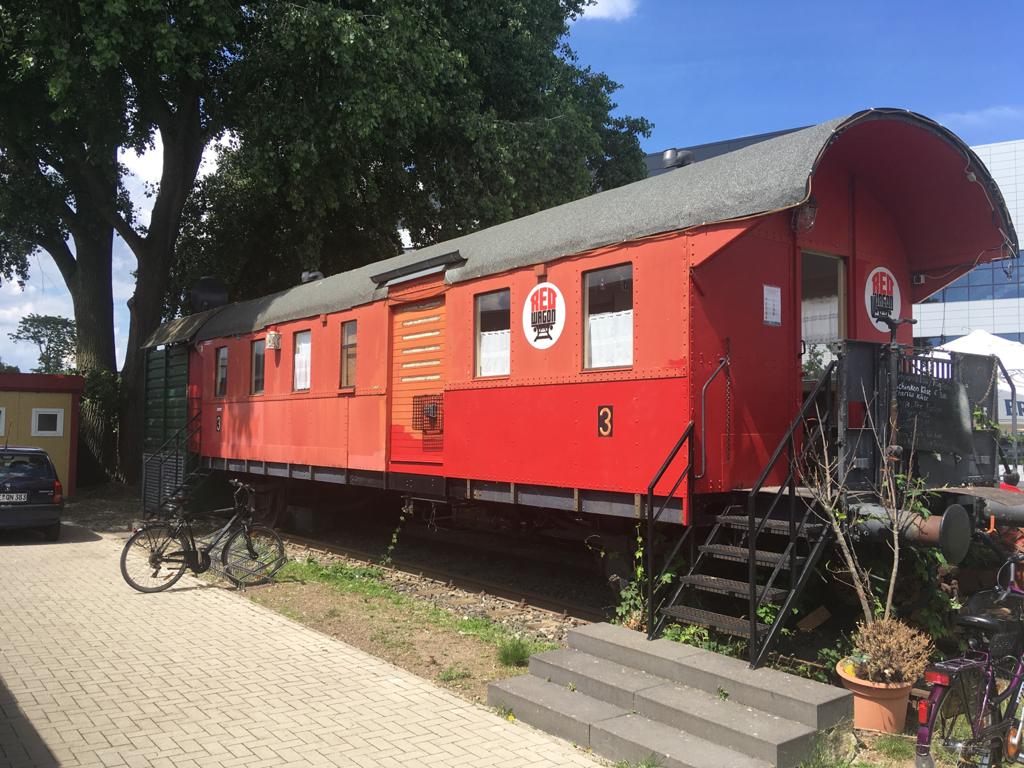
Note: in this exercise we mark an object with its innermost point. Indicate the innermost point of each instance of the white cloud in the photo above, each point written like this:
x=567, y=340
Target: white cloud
x=613, y=10
x=985, y=118
x=45, y=292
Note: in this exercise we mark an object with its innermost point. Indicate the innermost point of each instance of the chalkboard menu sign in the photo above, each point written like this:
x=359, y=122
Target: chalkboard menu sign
x=934, y=414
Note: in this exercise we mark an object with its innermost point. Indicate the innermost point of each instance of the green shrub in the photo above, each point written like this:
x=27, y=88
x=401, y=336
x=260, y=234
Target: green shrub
x=514, y=652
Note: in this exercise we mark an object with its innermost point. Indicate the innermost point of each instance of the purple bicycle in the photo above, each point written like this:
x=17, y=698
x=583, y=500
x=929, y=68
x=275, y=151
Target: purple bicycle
x=972, y=714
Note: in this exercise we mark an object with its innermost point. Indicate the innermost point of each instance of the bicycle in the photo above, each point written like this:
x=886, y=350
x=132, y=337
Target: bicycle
x=971, y=714
x=156, y=555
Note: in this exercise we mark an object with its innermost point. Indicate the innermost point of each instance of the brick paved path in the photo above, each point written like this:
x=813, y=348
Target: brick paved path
x=95, y=674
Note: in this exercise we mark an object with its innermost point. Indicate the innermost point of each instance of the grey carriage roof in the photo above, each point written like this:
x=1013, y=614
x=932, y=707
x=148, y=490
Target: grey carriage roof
x=757, y=179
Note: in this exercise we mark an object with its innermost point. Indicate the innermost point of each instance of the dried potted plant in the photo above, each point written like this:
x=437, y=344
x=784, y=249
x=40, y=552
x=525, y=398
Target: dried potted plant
x=888, y=656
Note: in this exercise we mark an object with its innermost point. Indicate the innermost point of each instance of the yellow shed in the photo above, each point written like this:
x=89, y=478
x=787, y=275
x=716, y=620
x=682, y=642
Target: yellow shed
x=40, y=410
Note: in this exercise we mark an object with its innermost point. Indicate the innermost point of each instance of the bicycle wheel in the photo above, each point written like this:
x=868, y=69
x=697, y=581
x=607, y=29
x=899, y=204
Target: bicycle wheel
x=252, y=556
x=961, y=733
x=154, y=558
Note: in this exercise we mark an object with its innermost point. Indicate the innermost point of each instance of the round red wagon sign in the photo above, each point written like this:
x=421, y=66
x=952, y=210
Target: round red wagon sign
x=543, y=315
x=881, y=297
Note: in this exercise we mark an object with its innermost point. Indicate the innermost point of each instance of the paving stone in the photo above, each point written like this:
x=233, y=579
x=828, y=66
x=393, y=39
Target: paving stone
x=95, y=674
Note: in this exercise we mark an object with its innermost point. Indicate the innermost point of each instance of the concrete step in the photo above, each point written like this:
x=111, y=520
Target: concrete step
x=635, y=738
x=776, y=693
x=776, y=740
x=596, y=677
x=705, y=715
x=550, y=707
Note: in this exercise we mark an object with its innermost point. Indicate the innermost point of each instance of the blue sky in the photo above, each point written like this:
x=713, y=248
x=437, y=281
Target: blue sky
x=703, y=71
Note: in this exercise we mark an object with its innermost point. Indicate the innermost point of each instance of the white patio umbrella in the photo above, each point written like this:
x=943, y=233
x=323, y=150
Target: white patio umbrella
x=1011, y=353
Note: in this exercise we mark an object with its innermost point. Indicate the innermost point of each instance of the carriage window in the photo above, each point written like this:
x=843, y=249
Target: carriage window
x=258, y=363
x=301, y=359
x=3, y=421
x=608, y=330
x=348, y=354
x=493, y=333
x=220, y=387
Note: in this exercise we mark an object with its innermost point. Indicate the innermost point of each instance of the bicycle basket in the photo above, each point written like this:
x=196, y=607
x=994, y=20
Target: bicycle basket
x=1006, y=643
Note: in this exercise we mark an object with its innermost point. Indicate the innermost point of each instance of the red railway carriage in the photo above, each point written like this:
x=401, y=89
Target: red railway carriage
x=554, y=360
x=558, y=360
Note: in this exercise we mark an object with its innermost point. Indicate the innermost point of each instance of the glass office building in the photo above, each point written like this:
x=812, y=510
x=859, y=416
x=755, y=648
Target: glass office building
x=989, y=297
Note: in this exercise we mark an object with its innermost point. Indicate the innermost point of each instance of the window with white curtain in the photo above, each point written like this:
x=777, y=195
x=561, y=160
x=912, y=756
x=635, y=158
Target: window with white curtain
x=493, y=334
x=301, y=360
x=608, y=322
x=220, y=385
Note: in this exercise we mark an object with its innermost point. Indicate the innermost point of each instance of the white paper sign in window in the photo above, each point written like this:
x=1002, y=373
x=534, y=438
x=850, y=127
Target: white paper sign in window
x=608, y=332
x=772, y=305
x=303, y=353
x=47, y=422
x=493, y=333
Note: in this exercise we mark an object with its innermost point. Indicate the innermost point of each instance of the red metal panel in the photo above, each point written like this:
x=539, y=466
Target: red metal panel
x=548, y=434
x=748, y=409
x=326, y=425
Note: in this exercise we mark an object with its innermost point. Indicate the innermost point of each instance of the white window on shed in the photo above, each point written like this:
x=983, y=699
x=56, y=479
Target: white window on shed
x=301, y=360
x=47, y=422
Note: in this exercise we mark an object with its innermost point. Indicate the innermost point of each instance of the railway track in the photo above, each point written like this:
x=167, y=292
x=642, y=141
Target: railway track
x=563, y=608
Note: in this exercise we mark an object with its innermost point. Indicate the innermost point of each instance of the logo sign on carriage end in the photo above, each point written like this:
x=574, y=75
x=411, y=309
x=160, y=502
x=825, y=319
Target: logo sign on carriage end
x=543, y=315
x=881, y=297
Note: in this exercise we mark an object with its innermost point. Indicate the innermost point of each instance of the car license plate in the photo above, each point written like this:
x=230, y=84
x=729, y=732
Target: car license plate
x=13, y=497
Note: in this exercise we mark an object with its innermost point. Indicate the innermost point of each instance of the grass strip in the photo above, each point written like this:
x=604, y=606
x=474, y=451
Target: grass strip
x=370, y=581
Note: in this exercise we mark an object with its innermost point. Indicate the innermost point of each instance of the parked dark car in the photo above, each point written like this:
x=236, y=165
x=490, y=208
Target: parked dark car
x=31, y=495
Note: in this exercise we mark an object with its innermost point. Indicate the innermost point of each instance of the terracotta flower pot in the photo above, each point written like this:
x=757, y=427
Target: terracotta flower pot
x=876, y=706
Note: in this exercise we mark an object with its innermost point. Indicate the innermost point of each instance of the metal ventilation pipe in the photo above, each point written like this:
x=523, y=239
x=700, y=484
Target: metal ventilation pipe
x=676, y=158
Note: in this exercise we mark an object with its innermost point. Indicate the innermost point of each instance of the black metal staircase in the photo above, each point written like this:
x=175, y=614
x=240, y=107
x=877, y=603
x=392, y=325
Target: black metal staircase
x=760, y=552
x=172, y=473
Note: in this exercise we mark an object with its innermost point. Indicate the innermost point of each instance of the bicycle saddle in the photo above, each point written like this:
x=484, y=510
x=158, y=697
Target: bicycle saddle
x=984, y=623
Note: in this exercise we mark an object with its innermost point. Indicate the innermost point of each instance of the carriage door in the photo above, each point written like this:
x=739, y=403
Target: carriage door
x=822, y=309
x=417, y=384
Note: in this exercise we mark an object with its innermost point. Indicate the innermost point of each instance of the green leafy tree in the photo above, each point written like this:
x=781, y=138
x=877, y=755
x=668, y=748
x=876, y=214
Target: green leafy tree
x=54, y=337
x=7, y=368
x=352, y=117
x=78, y=81
x=438, y=118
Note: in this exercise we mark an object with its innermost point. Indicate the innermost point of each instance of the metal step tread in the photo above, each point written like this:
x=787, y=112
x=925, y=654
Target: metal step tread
x=773, y=524
x=731, y=587
x=741, y=554
x=728, y=624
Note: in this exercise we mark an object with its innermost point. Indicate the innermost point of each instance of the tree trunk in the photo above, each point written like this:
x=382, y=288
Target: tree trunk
x=145, y=310
x=183, y=150
x=92, y=295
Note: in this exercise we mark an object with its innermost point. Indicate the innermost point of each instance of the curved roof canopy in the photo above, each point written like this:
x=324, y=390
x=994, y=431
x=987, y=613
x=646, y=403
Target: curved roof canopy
x=894, y=148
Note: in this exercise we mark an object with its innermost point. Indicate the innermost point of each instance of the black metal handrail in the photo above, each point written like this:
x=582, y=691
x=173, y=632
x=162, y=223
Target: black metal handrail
x=179, y=441
x=787, y=444
x=651, y=518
